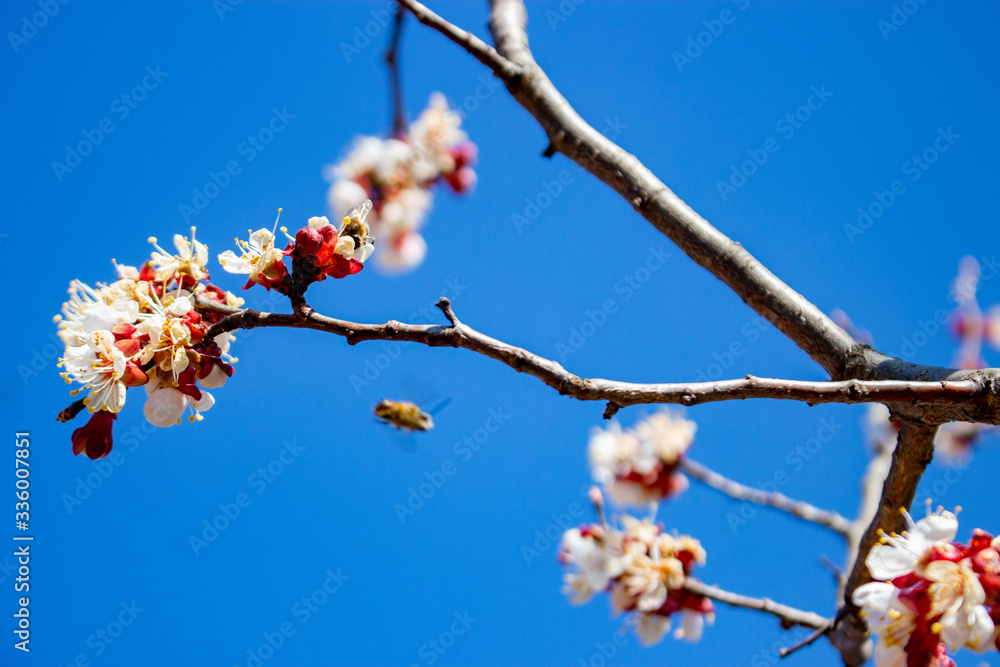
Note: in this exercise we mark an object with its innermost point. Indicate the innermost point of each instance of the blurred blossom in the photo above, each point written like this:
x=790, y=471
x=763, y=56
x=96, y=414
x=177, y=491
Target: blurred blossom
x=398, y=173
x=639, y=465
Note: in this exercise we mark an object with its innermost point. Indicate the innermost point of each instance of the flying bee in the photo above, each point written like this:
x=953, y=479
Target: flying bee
x=403, y=415
x=354, y=225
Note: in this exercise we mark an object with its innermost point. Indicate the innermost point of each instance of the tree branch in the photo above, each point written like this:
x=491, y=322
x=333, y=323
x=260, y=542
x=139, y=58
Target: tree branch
x=618, y=394
x=810, y=329
x=505, y=70
x=871, y=493
x=789, y=615
x=798, y=508
x=572, y=136
x=914, y=450
x=789, y=311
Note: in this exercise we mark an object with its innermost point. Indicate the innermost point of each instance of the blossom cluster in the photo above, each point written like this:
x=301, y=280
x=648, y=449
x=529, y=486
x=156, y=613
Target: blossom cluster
x=143, y=331
x=638, y=466
x=642, y=568
x=397, y=174
x=318, y=251
x=934, y=595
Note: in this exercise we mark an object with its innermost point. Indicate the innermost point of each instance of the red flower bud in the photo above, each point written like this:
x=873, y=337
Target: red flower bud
x=94, y=437
x=307, y=241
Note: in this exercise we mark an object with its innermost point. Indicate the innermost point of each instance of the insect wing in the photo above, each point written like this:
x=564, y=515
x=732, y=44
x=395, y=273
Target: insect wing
x=360, y=212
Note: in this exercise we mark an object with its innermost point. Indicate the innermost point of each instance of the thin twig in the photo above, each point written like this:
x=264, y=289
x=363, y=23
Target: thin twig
x=839, y=576
x=395, y=84
x=619, y=394
x=813, y=636
x=789, y=615
x=798, y=508
x=483, y=52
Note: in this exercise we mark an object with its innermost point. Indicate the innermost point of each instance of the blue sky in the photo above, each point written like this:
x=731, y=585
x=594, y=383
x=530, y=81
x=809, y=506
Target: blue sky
x=325, y=515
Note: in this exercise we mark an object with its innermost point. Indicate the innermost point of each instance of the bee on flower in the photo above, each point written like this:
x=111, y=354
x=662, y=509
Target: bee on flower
x=398, y=174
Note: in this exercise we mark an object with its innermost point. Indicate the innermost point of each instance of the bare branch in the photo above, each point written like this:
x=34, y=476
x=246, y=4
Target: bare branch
x=814, y=332
x=798, y=508
x=788, y=310
x=569, y=134
x=618, y=394
x=505, y=70
x=789, y=615
x=914, y=450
